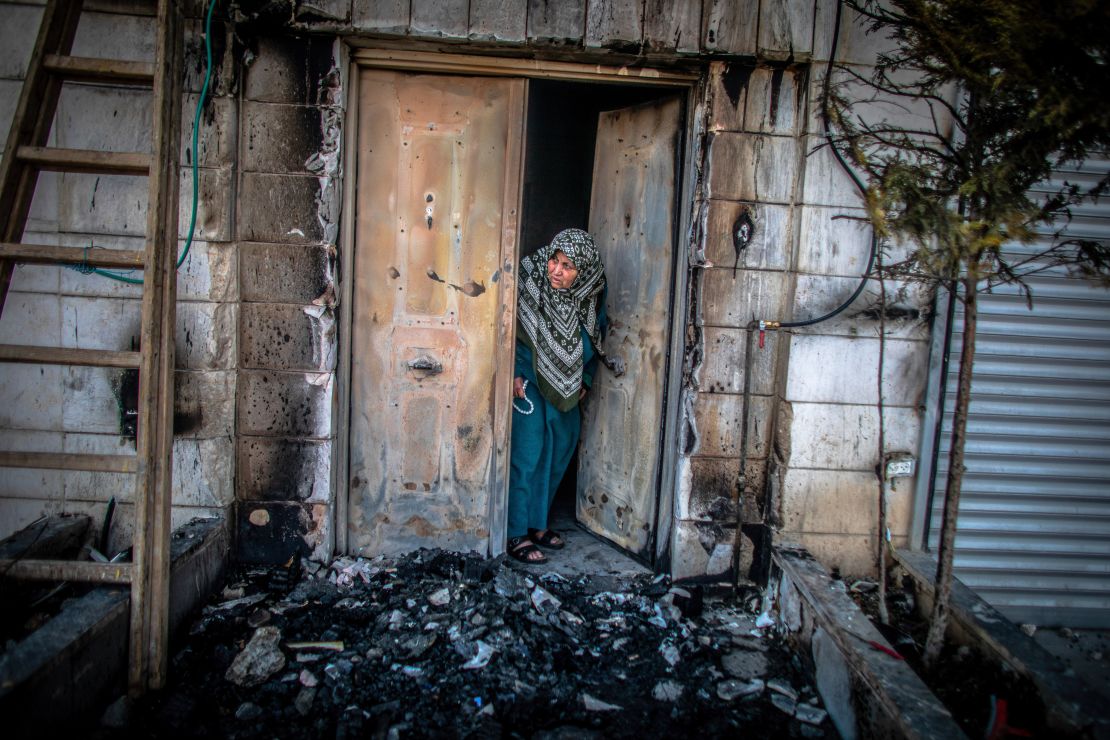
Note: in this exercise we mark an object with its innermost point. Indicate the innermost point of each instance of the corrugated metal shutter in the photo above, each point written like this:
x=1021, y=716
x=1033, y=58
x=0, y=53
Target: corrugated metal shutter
x=1033, y=535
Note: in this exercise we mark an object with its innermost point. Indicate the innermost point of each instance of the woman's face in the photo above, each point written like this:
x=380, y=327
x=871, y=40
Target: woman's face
x=561, y=271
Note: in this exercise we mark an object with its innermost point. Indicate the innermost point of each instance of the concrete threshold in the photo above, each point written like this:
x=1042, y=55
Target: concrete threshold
x=1072, y=708
x=867, y=691
x=76, y=663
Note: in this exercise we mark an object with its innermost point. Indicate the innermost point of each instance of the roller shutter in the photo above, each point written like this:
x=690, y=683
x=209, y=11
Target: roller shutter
x=1033, y=534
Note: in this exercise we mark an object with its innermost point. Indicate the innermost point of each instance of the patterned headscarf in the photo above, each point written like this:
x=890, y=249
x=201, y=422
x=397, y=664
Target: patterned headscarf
x=549, y=318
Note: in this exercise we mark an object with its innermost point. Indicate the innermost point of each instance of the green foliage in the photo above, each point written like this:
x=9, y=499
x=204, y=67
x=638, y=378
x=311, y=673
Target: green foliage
x=997, y=94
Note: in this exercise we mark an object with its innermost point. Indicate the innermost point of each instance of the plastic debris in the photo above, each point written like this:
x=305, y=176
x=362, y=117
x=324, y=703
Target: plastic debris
x=544, y=601
x=481, y=658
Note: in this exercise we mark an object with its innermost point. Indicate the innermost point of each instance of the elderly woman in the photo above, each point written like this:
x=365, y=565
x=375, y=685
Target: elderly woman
x=560, y=317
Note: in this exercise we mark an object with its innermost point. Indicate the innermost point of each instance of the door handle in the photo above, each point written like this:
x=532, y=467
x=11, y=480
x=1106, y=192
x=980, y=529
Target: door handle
x=426, y=365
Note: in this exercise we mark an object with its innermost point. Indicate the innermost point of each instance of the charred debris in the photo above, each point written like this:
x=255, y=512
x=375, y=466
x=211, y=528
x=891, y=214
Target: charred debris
x=438, y=644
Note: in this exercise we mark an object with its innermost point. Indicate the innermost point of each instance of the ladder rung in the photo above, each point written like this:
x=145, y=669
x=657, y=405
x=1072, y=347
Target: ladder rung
x=66, y=570
x=67, y=356
x=88, y=69
x=70, y=461
x=85, y=160
x=48, y=254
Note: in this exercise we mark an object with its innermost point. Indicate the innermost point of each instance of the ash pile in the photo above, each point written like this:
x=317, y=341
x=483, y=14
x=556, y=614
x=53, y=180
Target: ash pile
x=438, y=644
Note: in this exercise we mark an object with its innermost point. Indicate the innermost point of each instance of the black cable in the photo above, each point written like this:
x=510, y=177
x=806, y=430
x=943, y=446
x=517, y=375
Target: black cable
x=855, y=179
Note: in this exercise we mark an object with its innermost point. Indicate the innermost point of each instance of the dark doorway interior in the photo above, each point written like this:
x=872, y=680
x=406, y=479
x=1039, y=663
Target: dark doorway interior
x=559, y=152
x=558, y=177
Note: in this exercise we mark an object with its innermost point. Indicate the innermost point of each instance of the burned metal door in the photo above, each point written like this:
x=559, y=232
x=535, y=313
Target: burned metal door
x=438, y=188
x=632, y=219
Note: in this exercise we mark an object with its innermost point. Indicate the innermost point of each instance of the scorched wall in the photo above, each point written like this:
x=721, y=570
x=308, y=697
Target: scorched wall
x=257, y=350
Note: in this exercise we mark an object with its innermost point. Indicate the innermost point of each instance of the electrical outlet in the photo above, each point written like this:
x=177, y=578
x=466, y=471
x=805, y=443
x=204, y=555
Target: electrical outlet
x=900, y=466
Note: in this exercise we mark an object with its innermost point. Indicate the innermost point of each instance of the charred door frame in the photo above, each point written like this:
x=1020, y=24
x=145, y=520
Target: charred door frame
x=490, y=66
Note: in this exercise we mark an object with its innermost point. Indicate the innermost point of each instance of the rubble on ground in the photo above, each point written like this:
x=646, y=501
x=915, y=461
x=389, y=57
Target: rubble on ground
x=438, y=644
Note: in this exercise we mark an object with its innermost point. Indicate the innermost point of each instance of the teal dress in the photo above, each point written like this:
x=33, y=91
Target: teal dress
x=543, y=443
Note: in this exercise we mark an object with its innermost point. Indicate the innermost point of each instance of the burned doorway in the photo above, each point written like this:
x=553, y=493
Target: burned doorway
x=433, y=232
x=606, y=158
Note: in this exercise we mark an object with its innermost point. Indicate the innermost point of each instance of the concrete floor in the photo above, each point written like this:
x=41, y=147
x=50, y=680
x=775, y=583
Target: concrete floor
x=585, y=554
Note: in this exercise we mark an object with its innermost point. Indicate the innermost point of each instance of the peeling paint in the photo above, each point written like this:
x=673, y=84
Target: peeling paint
x=772, y=504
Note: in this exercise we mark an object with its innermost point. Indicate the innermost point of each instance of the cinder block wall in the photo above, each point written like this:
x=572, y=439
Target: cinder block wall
x=754, y=158
x=287, y=226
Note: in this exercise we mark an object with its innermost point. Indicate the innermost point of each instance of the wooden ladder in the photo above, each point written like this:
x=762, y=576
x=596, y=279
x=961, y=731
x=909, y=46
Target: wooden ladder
x=26, y=155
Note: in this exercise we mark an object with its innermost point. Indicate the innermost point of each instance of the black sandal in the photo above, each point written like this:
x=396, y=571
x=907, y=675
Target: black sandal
x=548, y=539
x=517, y=550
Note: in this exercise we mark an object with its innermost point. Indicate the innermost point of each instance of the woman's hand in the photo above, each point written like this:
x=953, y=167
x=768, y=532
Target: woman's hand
x=582, y=392
x=518, y=387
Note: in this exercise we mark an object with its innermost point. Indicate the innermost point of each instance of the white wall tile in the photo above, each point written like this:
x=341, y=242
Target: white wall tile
x=834, y=369
x=32, y=319
x=842, y=502
x=29, y=482
x=845, y=437
x=18, y=29
x=113, y=36
x=909, y=306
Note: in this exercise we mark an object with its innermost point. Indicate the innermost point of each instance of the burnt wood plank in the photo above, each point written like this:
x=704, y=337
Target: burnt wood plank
x=556, y=21
x=67, y=356
x=69, y=461
x=447, y=18
x=108, y=71
x=66, y=570
x=785, y=29
x=387, y=16
x=614, y=23
x=730, y=27
x=84, y=160
x=60, y=535
x=895, y=702
x=44, y=254
x=498, y=20
x=672, y=25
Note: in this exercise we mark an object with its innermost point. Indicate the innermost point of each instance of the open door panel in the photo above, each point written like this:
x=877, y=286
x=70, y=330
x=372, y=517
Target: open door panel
x=632, y=211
